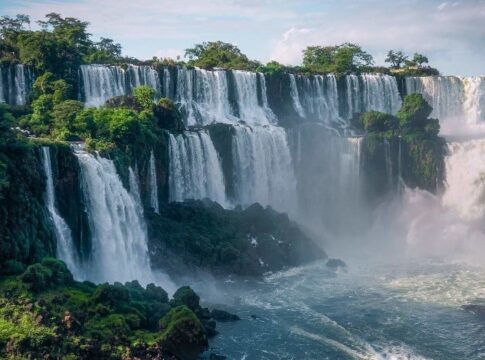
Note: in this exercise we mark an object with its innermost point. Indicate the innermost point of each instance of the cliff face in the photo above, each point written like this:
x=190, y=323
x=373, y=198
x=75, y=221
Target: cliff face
x=390, y=162
x=69, y=196
x=26, y=234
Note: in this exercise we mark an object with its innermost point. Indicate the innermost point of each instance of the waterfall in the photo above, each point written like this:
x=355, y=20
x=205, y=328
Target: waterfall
x=295, y=96
x=474, y=102
x=459, y=103
x=119, y=235
x=263, y=169
x=465, y=179
x=371, y=92
x=66, y=251
x=250, y=109
x=15, y=84
x=350, y=170
x=166, y=83
x=328, y=173
x=135, y=188
x=444, y=93
x=203, y=96
x=195, y=170
x=319, y=97
x=102, y=82
x=153, y=184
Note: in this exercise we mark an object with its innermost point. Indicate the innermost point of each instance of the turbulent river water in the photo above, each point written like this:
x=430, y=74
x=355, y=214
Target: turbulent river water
x=380, y=311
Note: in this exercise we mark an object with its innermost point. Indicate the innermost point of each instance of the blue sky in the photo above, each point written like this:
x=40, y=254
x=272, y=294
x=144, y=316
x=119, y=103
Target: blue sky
x=451, y=33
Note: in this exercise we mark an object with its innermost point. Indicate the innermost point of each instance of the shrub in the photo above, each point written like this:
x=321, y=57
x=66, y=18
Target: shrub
x=186, y=296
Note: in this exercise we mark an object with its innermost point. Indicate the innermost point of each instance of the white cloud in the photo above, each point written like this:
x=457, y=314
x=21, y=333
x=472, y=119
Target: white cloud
x=447, y=31
x=442, y=6
x=454, y=38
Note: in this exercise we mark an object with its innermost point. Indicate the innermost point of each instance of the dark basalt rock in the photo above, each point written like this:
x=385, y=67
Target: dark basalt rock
x=221, y=315
x=202, y=234
x=335, y=264
x=478, y=310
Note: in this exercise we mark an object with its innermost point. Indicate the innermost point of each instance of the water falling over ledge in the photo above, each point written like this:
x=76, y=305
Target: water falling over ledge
x=119, y=233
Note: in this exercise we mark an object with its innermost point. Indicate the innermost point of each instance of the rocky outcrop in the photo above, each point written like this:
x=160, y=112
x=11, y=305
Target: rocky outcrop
x=244, y=242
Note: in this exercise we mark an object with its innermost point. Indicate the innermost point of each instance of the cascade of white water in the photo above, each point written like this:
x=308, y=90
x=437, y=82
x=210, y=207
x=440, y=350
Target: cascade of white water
x=250, y=110
x=20, y=83
x=444, y=93
x=368, y=92
x=143, y=75
x=15, y=84
x=474, y=102
x=203, y=96
x=195, y=170
x=295, y=96
x=135, y=188
x=119, y=235
x=465, y=179
x=459, y=103
x=66, y=251
x=350, y=169
x=102, y=82
x=320, y=97
x=328, y=172
x=263, y=169
x=153, y=183
x=166, y=83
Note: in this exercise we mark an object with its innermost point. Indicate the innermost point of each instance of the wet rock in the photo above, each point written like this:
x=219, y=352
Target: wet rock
x=478, y=310
x=221, y=315
x=335, y=264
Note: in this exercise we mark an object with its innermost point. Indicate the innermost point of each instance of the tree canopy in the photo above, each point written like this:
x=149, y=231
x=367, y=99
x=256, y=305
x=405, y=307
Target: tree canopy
x=59, y=47
x=342, y=58
x=209, y=55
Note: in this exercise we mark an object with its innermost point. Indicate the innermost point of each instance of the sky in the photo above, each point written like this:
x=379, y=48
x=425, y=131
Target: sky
x=450, y=33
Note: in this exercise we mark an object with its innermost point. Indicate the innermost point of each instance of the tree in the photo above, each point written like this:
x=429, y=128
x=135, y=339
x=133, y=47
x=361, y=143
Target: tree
x=144, y=96
x=375, y=121
x=396, y=58
x=273, y=67
x=413, y=116
x=65, y=115
x=342, y=58
x=10, y=28
x=209, y=55
x=104, y=51
x=420, y=59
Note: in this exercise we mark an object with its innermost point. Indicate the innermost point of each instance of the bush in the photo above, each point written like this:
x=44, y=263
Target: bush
x=144, y=96
x=37, y=277
x=414, y=112
x=186, y=296
x=51, y=272
x=374, y=121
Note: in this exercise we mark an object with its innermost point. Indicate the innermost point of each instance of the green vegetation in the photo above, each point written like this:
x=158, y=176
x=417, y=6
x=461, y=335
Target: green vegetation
x=209, y=55
x=44, y=312
x=412, y=143
x=412, y=120
x=59, y=47
x=417, y=66
x=247, y=242
x=344, y=58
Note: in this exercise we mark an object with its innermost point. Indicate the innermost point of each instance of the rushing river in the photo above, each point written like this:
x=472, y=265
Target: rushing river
x=408, y=311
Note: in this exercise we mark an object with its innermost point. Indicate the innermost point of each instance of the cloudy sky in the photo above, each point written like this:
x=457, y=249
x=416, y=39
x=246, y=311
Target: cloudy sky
x=451, y=33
